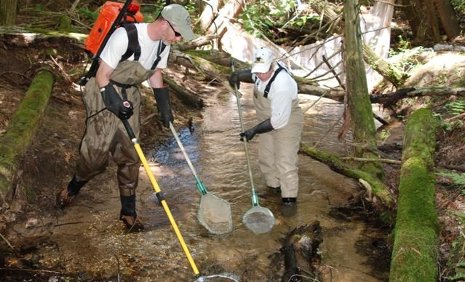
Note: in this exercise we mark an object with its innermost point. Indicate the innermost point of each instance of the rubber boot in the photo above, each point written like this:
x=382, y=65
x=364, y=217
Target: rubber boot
x=128, y=214
x=65, y=196
x=288, y=207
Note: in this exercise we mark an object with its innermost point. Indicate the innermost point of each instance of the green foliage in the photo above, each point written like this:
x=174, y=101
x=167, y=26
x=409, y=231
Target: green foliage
x=459, y=272
x=456, y=258
x=64, y=24
x=151, y=11
x=456, y=107
x=88, y=15
x=265, y=17
x=407, y=64
x=39, y=8
x=458, y=179
x=402, y=46
x=460, y=82
x=459, y=5
x=453, y=108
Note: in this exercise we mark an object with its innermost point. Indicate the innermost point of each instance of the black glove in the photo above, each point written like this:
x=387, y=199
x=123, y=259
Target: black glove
x=236, y=77
x=123, y=109
x=162, y=97
x=264, y=126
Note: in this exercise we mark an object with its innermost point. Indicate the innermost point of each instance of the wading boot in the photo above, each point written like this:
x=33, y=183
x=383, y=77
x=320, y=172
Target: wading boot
x=65, y=196
x=132, y=223
x=128, y=214
x=288, y=207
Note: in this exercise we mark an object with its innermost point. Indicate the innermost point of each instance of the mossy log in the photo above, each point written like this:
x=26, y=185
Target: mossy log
x=21, y=130
x=378, y=189
x=415, y=252
x=386, y=70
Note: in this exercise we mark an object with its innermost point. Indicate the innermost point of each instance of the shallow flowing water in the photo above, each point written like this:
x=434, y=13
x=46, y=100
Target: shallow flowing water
x=219, y=158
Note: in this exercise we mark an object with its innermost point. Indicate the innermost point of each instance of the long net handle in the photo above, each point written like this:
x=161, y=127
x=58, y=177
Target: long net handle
x=197, y=179
x=246, y=147
x=163, y=202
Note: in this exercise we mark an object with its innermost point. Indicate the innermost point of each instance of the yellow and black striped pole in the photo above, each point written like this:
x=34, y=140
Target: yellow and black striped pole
x=157, y=190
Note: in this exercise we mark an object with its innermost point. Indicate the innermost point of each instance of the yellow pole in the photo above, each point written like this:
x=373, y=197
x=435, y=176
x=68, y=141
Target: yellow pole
x=156, y=188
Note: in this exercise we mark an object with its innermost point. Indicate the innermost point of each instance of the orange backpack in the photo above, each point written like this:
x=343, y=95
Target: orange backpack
x=106, y=20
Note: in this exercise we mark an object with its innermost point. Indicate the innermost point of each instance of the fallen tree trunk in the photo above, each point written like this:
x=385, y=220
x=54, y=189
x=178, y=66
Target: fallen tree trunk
x=415, y=253
x=389, y=99
x=21, y=130
x=375, y=186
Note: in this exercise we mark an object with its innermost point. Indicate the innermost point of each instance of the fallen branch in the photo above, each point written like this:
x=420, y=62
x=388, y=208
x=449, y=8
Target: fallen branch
x=462, y=115
x=379, y=189
x=390, y=99
x=389, y=161
x=31, y=270
x=7, y=242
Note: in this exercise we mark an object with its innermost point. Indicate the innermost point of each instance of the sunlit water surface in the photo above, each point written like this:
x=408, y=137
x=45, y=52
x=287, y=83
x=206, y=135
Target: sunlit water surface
x=219, y=159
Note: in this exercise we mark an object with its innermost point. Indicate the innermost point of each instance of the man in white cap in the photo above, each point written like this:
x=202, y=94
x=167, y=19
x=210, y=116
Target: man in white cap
x=133, y=54
x=280, y=125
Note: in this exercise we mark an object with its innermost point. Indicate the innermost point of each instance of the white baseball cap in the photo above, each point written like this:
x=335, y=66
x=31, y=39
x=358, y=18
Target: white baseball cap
x=263, y=58
x=179, y=18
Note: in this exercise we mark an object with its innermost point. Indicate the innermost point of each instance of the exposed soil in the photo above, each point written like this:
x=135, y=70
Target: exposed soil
x=50, y=160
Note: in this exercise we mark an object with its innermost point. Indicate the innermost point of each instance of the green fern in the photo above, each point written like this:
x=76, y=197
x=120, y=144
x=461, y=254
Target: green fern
x=460, y=276
x=458, y=179
x=456, y=107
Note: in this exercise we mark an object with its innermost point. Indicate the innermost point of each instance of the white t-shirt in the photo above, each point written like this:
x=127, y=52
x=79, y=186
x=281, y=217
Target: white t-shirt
x=282, y=92
x=118, y=44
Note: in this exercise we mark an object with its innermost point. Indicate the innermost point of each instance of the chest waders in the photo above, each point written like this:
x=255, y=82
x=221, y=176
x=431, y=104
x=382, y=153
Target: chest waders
x=105, y=135
x=277, y=149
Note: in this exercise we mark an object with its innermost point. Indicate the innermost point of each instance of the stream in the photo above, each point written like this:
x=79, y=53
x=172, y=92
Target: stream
x=219, y=158
x=86, y=242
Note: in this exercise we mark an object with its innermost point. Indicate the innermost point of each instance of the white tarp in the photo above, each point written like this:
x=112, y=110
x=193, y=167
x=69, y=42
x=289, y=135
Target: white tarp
x=308, y=60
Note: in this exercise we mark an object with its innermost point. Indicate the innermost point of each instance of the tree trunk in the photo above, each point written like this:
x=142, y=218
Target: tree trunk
x=359, y=104
x=415, y=250
x=423, y=21
x=448, y=18
x=430, y=13
x=8, y=12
